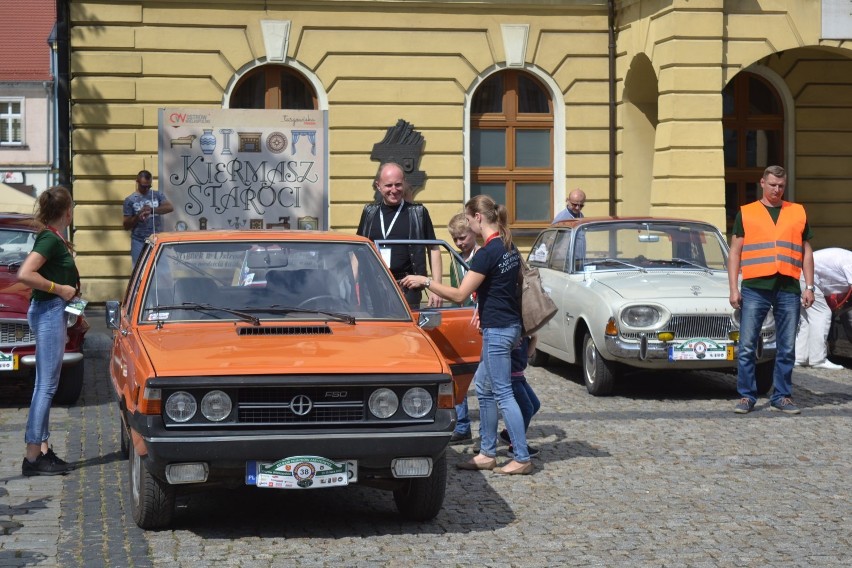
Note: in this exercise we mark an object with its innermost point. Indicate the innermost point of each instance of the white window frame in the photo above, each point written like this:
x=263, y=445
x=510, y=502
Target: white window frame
x=5, y=112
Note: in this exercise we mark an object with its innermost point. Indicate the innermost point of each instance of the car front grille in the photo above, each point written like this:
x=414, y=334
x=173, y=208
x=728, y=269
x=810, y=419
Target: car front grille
x=689, y=327
x=16, y=334
x=276, y=405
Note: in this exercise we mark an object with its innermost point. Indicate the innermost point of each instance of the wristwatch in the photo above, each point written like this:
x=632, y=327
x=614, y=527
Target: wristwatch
x=428, y=282
x=810, y=287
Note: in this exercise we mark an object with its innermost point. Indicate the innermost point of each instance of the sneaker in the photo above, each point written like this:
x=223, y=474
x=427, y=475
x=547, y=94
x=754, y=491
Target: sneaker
x=54, y=459
x=829, y=365
x=44, y=466
x=458, y=438
x=504, y=435
x=744, y=406
x=800, y=364
x=786, y=406
x=533, y=451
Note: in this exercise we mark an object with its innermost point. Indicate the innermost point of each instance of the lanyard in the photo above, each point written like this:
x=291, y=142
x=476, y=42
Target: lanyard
x=385, y=233
x=55, y=232
x=491, y=238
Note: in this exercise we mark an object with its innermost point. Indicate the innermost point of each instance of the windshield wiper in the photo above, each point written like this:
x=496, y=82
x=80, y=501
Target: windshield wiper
x=694, y=264
x=283, y=310
x=243, y=315
x=615, y=261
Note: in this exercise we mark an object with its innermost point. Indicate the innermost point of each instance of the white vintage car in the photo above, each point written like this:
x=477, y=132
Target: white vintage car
x=648, y=293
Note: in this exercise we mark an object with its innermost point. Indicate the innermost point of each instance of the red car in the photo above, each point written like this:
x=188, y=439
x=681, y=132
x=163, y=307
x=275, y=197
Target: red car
x=17, y=342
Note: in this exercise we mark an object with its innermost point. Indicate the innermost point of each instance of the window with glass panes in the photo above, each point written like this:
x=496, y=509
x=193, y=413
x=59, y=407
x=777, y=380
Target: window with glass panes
x=274, y=87
x=11, y=122
x=753, y=130
x=511, y=146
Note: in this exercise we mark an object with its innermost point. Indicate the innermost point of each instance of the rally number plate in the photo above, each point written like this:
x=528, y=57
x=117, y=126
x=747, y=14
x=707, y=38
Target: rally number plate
x=301, y=472
x=8, y=362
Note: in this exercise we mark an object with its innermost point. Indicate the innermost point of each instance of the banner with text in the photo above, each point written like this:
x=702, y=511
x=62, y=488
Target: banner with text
x=244, y=168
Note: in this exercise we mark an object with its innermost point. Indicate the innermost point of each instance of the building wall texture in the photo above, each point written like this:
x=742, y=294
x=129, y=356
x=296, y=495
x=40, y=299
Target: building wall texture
x=374, y=62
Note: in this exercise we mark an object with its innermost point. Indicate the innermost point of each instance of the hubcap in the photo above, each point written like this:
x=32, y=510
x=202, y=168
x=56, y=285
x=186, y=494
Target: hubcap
x=589, y=360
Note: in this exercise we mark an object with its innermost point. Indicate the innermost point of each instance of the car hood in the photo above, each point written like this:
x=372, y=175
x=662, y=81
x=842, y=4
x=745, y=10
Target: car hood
x=216, y=349
x=665, y=284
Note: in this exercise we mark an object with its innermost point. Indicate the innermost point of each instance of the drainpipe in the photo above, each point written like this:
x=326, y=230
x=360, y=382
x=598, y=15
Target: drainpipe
x=612, y=115
x=63, y=98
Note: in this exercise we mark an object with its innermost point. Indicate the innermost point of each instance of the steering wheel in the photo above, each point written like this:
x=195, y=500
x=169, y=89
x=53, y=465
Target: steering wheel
x=333, y=299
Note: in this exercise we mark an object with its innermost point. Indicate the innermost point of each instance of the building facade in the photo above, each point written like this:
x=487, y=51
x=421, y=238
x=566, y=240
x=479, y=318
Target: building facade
x=27, y=111
x=666, y=107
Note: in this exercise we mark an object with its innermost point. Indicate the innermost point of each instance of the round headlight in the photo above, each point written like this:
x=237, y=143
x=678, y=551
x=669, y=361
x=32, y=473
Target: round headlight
x=416, y=402
x=216, y=406
x=769, y=321
x=181, y=406
x=383, y=403
x=72, y=320
x=640, y=316
x=736, y=317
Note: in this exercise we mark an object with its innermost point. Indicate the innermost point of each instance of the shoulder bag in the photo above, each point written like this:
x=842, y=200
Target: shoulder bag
x=536, y=306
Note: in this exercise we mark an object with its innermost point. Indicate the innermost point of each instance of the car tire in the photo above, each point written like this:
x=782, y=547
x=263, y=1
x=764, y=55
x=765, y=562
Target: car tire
x=598, y=373
x=421, y=498
x=152, y=501
x=763, y=376
x=538, y=358
x=70, y=384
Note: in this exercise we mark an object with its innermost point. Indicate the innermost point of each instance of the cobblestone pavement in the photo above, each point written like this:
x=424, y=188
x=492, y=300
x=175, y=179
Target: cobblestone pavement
x=661, y=474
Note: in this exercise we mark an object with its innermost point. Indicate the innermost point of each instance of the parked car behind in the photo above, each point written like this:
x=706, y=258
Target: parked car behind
x=642, y=293
x=286, y=360
x=17, y=342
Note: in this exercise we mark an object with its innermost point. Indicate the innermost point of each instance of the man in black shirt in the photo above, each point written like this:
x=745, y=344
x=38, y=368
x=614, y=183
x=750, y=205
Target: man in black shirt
x=393, y=218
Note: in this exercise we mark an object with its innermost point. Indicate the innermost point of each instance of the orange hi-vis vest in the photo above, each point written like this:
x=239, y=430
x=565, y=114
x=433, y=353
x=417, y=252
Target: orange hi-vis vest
x=772, y=248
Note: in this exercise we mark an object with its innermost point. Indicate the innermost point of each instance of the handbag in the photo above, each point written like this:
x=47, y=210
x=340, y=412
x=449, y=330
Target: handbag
x=536, y=306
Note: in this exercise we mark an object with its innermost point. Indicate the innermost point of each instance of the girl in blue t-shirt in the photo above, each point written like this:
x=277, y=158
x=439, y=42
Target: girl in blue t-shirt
x=493, y=275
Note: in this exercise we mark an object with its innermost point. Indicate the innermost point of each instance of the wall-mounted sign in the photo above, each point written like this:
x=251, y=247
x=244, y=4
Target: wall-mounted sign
x=836, y=19
x=244, y=169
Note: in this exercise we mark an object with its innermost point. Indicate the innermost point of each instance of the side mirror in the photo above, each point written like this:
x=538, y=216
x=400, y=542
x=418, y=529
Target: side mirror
x=112, y=315
x=429, y=320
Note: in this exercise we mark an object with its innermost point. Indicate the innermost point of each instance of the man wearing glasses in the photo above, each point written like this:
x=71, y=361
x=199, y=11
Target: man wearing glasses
x=573, y=207
x=142, y=211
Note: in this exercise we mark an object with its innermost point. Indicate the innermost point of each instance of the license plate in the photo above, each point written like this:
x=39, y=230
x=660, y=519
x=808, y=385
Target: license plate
x=700, y=349
x=8, y=362
x=301, y=472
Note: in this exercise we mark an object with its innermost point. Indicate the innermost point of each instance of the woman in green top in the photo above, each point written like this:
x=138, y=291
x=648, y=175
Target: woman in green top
x=51, y=273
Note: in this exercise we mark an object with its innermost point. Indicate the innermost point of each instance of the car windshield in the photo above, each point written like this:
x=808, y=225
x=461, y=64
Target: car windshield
x=259, y=281
x=15, y=245
x=649, y=246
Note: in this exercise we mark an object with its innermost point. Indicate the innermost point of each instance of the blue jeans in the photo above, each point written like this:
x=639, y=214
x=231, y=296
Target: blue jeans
x=136, y=247
x=463, y=418
x=494, y=389
x=755, y=305
x=528, y=402
x=47, y=319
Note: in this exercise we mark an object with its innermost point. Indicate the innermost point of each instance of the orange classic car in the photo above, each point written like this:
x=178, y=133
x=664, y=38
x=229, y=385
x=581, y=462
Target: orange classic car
x=283, y=360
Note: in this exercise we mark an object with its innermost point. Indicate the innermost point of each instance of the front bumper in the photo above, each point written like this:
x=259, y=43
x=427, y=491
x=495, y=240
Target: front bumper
x=656, y=353
x=68, y=359
x=226, y=452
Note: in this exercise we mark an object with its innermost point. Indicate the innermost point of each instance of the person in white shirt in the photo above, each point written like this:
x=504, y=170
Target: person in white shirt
x=832, y=282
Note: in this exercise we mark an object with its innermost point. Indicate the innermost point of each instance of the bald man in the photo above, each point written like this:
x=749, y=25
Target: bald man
x=573, y=207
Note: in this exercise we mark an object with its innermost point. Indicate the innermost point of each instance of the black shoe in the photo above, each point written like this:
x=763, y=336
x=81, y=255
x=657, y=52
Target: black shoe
x=533, y=451
x=504, y=435
x=44, y=466
x=54, y=459
x=457, y=438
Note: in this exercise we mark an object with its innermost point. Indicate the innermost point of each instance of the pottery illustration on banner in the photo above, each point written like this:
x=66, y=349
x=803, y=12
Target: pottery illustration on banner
x=208, y=141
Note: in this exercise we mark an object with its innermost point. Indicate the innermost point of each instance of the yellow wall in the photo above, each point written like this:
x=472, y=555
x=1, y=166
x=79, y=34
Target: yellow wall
x=377, y=61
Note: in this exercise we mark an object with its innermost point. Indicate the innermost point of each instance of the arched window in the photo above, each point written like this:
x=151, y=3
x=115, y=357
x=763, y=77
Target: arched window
x=274, y=87
x=511, y=146
x=753, y=123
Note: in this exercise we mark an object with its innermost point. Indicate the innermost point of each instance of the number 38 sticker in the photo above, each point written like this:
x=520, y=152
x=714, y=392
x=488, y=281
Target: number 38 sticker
x=304, y=474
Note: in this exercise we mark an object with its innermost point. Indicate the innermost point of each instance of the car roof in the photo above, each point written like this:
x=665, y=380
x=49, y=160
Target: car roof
x=592, y=220
x=19, y=221
x=256, y=235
